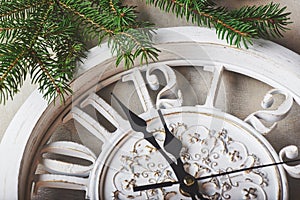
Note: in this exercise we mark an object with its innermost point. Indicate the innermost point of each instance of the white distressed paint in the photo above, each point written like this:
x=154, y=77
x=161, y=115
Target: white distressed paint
x=266, y=61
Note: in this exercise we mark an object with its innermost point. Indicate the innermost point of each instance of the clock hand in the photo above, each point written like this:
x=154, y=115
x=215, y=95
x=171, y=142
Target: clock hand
x=170, y=183
x=171, y=144
x=188, y=183
x=140, y=125
x=247, y=169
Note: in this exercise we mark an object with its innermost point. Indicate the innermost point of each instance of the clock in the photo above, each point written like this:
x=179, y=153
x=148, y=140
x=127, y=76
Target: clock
x=180, y=128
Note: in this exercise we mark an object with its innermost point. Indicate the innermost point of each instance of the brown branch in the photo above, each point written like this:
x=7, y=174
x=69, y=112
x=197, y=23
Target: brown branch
x=259, y=19
x=114, y=10
x=9, y=28
x=6, y=29
x=112, y=7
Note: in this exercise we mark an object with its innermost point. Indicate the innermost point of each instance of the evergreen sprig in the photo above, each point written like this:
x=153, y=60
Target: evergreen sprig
x=267, y=20
x=238, y=26
x=42, y=38
x=45, y=39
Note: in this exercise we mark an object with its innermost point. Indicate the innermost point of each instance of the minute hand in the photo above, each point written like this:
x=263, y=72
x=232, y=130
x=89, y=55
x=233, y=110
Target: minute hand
x=170, y=183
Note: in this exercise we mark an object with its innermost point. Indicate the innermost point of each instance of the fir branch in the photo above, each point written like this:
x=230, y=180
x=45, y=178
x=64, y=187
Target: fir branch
x=238, y=26
x=12, y=73
x=46, y=38
x=19, y=8
x=128, y=46
x=205, y=13
x=13, y=70
x=11, y=66
x=44, y=69
x=78, y=11
x=38, y=42
x=12, y=17
x=270, y=20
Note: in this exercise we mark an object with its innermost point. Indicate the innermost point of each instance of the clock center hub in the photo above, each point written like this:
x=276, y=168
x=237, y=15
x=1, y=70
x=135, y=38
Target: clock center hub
x=189, y=180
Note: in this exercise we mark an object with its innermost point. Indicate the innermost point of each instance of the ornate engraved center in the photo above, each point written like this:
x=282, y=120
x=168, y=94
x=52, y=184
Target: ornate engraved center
x=204, y=152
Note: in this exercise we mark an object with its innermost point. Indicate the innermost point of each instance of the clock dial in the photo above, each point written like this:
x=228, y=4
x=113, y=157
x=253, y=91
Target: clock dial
x=212, y=142
x=205, y=151
x=191, y=120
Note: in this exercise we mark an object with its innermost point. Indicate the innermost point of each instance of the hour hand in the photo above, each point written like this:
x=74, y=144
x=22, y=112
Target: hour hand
x=137, y=124
x=171, y=144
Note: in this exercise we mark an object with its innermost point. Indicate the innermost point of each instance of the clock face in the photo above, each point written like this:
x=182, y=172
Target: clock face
x=89, y=149
x=120, y=158
x=206, y=150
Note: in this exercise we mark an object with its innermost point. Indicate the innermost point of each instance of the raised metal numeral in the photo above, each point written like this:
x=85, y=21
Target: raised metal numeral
x=92, y=125
x=214, y=87
x=273, y=116
x=141, y=88
x=64, y=174
x=290, y=152
x=169, y=96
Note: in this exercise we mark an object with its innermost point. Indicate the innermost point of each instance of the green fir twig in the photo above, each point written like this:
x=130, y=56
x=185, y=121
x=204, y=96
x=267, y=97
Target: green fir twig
x=45, y=39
